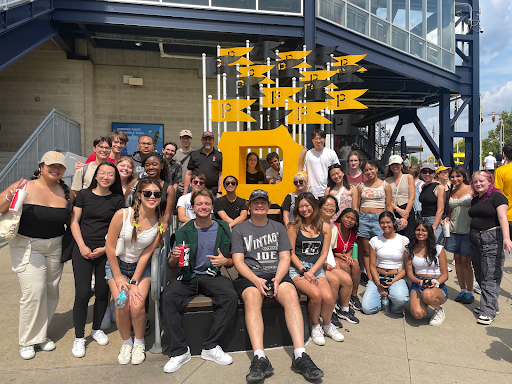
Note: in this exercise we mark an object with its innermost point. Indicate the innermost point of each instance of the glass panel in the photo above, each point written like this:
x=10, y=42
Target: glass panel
x=400, y=39
x=416, y=18
x=380, y=30
x=333, y=10
x=417, y=47
x=192, y=2
x=360, y=3
x=380, y=8
x=448, y=20
x=398, y=13
x=448, y=61
x=433, y=22
x=357, y=20
x=292, y=6
x=433, y=54
x=244, y=4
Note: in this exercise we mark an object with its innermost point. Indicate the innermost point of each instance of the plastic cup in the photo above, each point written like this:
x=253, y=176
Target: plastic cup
x=17, y=201
x=184, y=255
x=446, y=229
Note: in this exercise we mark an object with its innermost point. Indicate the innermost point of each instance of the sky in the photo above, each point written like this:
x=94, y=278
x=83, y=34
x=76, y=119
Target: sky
x=495, y=73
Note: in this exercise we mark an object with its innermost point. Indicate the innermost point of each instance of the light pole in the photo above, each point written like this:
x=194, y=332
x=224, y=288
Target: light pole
x=502, y=130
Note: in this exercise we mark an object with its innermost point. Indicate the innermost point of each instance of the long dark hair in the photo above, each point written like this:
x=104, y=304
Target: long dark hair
x=350, y=210
x=324, y=199
x=431, y=249
x=316, y=219
x=330, y=183
x=461, y=171
x=258, y=166
x=69, y=204
x=391, y=216
x=164, y=173
x=116, y=186
x=136, y=206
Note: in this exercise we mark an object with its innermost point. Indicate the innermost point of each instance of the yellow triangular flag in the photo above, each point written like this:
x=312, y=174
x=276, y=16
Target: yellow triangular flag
x=275, y=97
x=346, y=99
x=266, y=80
x=342, y=61
x=318, y=75
x=255, y=70
x=302, y=65
x=242, y=61
x=231, y=110
x=293, y=55
x=307, y=113
x=238, y=51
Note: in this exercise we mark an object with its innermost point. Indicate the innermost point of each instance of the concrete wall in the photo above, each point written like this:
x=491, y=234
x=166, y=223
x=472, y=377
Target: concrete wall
x=92, y=92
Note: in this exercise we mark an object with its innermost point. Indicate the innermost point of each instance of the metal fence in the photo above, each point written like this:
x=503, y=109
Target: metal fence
x=4, y=4
x=56, y=132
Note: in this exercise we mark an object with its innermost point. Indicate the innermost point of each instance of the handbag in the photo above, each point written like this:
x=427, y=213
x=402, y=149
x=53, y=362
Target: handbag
x=68, y=245
x=9, y=223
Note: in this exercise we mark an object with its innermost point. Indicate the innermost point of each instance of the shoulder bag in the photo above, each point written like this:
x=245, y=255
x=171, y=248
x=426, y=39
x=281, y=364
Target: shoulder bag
x=9, y=223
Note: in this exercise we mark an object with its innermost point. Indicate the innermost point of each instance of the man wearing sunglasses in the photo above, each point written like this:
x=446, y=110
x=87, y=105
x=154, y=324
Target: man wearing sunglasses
x=185, y=210
x=145, y=146
x=230, y=208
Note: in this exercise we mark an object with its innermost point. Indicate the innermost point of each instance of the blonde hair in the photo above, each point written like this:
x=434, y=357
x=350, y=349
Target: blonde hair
x=304, y=176
x=128, y=159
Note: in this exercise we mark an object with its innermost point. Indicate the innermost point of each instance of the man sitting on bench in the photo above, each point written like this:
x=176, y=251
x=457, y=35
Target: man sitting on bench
x=261, y=254
x=209, y=240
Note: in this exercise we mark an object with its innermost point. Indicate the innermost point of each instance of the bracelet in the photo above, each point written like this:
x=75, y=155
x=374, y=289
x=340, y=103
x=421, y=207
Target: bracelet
x=6, y=198
x=303, y=271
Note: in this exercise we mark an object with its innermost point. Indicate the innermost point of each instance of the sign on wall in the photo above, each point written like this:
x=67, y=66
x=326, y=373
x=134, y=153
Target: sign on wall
x=136, y=130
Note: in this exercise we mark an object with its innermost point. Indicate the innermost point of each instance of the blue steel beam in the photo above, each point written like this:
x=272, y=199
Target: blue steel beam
x=459, y=111
x=425, y=135
x=445, y=130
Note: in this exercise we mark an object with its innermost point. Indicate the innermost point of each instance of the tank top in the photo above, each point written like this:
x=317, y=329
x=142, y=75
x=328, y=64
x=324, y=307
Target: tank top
x=355, y=181
x=343, y=246
x=421, y=266
x=428, y=200
x=344, y=201
x=134, y=249
x=42, y=222
x=400, y=193
x=460, y=220
x=308, y=249
x=373, y=197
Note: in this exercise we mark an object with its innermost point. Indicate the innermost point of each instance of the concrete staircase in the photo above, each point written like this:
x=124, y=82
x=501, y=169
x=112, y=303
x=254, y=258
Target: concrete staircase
x=366, y=158
x=5, y=157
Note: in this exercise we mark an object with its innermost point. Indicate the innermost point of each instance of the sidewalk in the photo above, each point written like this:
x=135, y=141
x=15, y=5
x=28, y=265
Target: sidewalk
x=379, y=349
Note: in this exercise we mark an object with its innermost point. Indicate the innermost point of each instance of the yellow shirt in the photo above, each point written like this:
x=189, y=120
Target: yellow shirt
x=503, y=181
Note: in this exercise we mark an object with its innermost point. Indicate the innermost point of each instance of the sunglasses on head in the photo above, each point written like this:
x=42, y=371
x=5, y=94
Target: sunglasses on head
x=298, y=182
x=148, y=194
x=230, y=183
x=427, y=172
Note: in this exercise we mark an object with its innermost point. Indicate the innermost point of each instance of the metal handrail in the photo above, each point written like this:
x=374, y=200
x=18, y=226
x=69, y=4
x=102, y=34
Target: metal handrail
x=4, y=4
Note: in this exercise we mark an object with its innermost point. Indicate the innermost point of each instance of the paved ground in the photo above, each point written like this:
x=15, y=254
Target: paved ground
x=379, y=349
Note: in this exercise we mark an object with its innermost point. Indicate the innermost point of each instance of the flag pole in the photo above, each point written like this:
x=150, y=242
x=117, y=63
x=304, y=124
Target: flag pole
x=294, y=98
x=205, y=97
x=237, y=96
x=218, y=84
x=224, y=96
x=210, y=102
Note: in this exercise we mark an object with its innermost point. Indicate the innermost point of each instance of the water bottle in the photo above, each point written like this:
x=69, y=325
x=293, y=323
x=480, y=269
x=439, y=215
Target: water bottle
x=121, y=298
x=385, y=305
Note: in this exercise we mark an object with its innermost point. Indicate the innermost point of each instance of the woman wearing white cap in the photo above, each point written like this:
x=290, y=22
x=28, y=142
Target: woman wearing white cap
x=36, y=250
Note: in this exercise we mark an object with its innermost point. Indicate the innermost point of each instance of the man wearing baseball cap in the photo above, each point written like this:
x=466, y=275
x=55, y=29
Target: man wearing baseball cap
x=182, y=156
x=208, y=161
x=490, y=163
x=261, y=253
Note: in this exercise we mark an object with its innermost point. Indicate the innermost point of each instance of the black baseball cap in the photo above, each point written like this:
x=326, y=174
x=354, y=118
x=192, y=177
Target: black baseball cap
x=257, y=194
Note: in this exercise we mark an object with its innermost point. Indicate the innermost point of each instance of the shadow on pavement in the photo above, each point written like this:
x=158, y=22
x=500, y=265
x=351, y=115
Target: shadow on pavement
x=500, y=349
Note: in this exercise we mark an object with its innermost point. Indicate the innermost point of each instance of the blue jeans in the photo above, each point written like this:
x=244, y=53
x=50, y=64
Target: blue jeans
x=398, y=296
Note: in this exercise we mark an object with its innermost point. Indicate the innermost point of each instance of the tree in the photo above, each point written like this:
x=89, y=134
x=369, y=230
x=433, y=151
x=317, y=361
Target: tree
x=492, y=142
x=462, y=146
x=414, y=160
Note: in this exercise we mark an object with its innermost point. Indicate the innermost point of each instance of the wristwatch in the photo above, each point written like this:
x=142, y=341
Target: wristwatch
x=134, y=282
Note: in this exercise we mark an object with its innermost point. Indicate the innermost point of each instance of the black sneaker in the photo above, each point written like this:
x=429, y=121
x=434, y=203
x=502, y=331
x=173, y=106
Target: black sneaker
x=335, y=321
x=148, y=328
x=348, y=316
x=364, y=277
x=305, y=366
x=260, y=368
x=355, y=303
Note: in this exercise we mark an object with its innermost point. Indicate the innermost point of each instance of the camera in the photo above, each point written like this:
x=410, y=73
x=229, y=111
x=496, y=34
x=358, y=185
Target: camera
x=385, y=280
x=427, y=283
x=270, y=288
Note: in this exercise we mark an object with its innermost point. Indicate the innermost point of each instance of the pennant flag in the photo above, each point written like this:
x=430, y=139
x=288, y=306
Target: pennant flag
x=307, y=113
x=346, y=100
x=275, y=97
x=255, y=70
x=264, y=49
x=318, y=75
x=343, y=80
x=285, y=69
x=238, y=51
x=316, y=94
x=242, y=61
x=302, y=65
x=271, y=120
x=244, y=87
x=293, y=55
x=231, y=110
x=343, y=61
x=317, y=84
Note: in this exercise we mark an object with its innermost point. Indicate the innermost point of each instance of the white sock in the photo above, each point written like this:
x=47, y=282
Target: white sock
x=260, y=353
x=298, y=352
x=129, y=341
x=463, y=290
x=345, y=309
x=138, y=341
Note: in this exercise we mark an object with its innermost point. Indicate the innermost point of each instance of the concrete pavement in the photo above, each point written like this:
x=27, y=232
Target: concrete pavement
x=379, y=349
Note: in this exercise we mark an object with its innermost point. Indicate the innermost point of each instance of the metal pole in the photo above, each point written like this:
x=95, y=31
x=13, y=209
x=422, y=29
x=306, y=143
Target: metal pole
x=218, y=84
x=294, y=98
x=237, y=97
x=210, y=103
x=205, y=97
x=224, y=97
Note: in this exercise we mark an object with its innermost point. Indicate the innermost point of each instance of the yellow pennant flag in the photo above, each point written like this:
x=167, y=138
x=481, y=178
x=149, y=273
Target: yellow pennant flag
x=302, y=65
x=342, y=61
x=238, y=51
x=293, y=55
x=255, y=70
x=318, y=75
x=275, y=97
x=307, y=113
x=231, y=110
x=346, y=99
x=242, y=61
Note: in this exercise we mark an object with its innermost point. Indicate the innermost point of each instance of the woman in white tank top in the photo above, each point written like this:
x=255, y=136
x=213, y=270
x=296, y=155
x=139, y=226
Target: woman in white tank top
x=141, y=229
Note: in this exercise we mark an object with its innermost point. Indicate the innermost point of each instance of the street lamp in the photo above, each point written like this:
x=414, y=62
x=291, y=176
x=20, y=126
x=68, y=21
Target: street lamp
x=502, y=130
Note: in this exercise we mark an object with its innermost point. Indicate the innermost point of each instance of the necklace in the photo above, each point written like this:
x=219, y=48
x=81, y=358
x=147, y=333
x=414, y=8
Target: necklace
x=345, y=244
x=47, y=187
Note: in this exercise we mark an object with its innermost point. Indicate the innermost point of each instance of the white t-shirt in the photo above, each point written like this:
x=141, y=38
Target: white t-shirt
x=390, y=252
x=344, y=151
x=184, y=201
x=316, y=164
x=272, y=174
x=489, y=162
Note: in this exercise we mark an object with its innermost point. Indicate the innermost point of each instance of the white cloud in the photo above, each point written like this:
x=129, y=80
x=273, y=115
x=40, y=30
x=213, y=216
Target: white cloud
x=498, y=101
x=496, y=21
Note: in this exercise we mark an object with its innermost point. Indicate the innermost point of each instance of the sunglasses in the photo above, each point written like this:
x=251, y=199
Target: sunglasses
x=148, y=194
x=198, y=182
x=230, y=183
x=427, y=172
x=298, y=182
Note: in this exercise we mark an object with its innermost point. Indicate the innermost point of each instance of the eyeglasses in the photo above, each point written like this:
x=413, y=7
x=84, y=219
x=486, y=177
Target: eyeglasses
x=145, y=143
x=103, y=149
x=230, y=183
x=427, y=172
x=198, y=182
x=148, y=194
x=298, y=182
x=103, y=174
x=332, y=206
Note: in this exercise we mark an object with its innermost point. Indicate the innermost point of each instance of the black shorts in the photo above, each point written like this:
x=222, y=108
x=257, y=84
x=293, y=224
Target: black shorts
x=241, y=283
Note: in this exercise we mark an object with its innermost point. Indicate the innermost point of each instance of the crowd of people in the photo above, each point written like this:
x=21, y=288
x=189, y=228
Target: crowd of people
x=338, y=227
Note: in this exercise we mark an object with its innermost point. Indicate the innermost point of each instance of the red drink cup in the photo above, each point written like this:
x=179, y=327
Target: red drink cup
x=184, y=255
x=17, y=200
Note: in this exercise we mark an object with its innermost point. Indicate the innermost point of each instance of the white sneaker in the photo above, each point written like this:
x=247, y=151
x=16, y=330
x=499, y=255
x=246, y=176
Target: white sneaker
x=27, y=352
x=177, y=362
x=331, y=331
x=47, y=345
x=78, y=348
x=449, y=269
x=217, y=355
x=106, y=323
x=476, y=287
x=112, y=312
x=138, y=354
x=93, y=283
x=437, y=318
x=125, y=354
x=99, y=336
x=317, y=335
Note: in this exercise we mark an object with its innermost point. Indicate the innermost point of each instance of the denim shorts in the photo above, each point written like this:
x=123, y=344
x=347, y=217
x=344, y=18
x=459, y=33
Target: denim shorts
x=458, y=243
x=369, y=225
x=419, y=288
x=127, y=269
x=296, y=272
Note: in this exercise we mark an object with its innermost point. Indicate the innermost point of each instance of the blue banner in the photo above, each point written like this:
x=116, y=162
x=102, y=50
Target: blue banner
x=136, y=130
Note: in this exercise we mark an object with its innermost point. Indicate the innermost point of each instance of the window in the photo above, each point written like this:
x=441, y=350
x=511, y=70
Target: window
x=357, y=20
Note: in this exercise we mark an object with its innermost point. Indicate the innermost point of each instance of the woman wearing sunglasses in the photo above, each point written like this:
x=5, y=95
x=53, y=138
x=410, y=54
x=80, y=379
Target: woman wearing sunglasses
x=432, y=200
x=339, y=187
x=300, y=180
x=141, y=230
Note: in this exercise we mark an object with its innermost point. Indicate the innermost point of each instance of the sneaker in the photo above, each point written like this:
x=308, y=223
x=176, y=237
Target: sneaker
x=176, y=362
x=460, y=297
x=138, y=354
x=259, y=369
x=317, y=334
x=112, y=312
x=305, y=366
x=106, y=323
x=125, y=354
x=148, y=328
x=93, y=283
x=331, y=331
x=468, y=298
x=355, y=303
x=477, y=311
x=484, y=319
x=217, y=355
x=449, y=269
x=78, y=348
x=336, y=321
x=349, y=316
x=476, y=288
x=99, y=336
x=437, y=318
x=27, y=352
x=47, y=345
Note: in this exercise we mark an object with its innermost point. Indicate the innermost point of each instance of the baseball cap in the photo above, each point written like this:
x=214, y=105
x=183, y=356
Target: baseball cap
x=185, y=132
x=258, y=193
x=490, y=153
x=207, y=134
x=395, y=159
x=443, y=168
x=428, y=166
x=52, y=157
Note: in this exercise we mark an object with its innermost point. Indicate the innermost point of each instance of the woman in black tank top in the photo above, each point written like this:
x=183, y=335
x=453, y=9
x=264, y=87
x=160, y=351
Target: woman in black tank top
x=432, y=199
x=310, y=238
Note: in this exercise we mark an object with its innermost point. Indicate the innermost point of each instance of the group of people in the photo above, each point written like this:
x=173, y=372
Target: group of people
x=337, y=227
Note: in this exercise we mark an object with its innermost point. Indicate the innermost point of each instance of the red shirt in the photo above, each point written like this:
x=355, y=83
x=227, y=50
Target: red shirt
x=355, y=181
x=93, y=158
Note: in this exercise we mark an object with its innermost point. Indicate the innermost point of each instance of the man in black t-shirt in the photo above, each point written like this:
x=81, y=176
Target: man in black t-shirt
x=230, y=208
x=261, y=254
